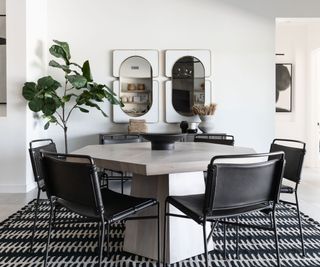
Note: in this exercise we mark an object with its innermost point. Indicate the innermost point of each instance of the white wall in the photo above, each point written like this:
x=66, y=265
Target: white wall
x=13, y=126
x=297, y=38
x=240, y=35
x=240, y=62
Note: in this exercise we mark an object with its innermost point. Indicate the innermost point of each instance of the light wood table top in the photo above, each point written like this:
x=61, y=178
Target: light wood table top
x=140, y=159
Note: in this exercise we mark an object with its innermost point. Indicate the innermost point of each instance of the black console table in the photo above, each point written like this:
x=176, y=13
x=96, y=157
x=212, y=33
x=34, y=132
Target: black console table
x=117, y=137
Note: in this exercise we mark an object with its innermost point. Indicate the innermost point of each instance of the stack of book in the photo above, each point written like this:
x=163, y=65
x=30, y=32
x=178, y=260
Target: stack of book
x=137, y=126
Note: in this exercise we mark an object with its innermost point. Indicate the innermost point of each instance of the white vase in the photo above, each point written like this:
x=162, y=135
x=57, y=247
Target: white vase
x=207, y=123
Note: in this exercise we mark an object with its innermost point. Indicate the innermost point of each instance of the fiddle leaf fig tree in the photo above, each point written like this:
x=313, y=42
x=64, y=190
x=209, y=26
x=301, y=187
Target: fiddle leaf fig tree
x=56, y=102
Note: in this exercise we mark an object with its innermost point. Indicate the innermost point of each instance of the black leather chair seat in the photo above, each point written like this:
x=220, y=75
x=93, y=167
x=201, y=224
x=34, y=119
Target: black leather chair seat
x=192, y=205
x=121, y=207
x=287, y=189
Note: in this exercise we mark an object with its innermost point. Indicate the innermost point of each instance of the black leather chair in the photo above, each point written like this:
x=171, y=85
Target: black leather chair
x=229, y=193
x=35, y=148
x=112, y=175
x=64, y=171
x=222, y=139
x=294, y=153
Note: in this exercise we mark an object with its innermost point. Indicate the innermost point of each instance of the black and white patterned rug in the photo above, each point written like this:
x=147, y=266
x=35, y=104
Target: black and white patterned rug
x=76, y=244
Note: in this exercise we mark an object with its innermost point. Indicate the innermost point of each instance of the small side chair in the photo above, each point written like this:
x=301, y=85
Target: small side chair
x=87, y=199
x=294, y=154
x=35, y=148
x=229, y=193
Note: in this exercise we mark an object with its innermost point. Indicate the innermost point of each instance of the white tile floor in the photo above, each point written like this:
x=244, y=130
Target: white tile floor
x=309, y=195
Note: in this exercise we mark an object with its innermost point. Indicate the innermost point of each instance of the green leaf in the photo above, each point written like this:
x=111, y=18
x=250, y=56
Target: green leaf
x=49, y=107
x=55, y=64
x=78, y=81
x=36, y=104
x=46, y=126
x=67, y=98
x=86, y=71
x=83, y=110
x=29, y=90
x=65, y=47
x=52, y=119
x=58, y=51
x=47, y=83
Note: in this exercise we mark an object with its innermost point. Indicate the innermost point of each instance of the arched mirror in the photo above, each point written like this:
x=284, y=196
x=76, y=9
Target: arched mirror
x=188, y=85
x=136, y=86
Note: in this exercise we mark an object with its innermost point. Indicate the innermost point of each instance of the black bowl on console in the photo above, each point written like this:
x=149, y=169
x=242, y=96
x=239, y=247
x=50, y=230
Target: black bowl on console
x=163, y=141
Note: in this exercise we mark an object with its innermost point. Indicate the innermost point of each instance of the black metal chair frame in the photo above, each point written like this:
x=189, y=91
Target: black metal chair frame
x=37, y=177
x=103, y=224
x=222, y=139
x=296, y=180
x=105, y=177
x=222, y=219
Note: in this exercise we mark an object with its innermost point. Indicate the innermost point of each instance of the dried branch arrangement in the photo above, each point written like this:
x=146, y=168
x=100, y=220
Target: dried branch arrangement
x=204, y=110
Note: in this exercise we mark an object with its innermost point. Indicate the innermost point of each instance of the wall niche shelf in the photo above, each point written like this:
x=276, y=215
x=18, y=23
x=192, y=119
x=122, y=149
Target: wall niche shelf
x=136, y=87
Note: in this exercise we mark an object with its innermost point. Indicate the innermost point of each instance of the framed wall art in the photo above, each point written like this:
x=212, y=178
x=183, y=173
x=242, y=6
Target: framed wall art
x=284, y=87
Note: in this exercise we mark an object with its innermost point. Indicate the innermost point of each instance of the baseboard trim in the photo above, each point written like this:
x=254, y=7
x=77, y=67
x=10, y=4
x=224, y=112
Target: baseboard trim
x=16, y=188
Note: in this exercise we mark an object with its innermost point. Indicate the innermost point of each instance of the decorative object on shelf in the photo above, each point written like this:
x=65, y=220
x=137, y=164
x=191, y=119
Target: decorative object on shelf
x=136, y=70
x=283, y=87
x=192, y=127
x=206, y=116
x=184, y=126
x=131, y=87
x=163, y=141
x=188, y=70
x=137, y=126
x=141, y=87
x=79, y=90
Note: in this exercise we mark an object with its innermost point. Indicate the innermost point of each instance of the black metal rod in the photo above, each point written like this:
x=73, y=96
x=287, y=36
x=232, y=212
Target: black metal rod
x=49, y=234
x=276, y=237
x=164, y=234
x=36, y=206
x=300, y=225
x=205, y=243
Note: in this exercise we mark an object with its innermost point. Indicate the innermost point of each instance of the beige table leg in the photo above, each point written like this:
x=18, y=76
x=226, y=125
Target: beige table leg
x=184, y=238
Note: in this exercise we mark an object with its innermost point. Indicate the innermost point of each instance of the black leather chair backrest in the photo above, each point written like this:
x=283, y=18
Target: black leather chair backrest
x=73, y=178
x=239, y=185
x=294, y=157
x=35, y=148
x=222, y=139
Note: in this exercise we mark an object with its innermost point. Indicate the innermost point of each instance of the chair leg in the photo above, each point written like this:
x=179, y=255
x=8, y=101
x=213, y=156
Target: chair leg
x=205, y=243
x=300, y=226
x=101, y=242
x=122, y=182
x=164, y=234
x=237, y=239
x=276, y=237
x=35, y=218
x=224, y=240
x=158, y=231
x=49, y=233
x=108, y=240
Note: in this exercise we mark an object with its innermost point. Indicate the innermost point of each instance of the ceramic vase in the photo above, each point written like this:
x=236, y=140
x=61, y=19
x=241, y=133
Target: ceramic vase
x=207, y=123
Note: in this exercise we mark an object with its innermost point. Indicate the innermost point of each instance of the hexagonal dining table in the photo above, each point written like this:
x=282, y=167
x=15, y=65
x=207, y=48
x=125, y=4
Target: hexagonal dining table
x=157, y=174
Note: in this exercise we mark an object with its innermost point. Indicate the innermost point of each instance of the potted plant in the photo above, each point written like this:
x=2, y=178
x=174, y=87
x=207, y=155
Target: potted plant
x=205, y=113
x=56, y=102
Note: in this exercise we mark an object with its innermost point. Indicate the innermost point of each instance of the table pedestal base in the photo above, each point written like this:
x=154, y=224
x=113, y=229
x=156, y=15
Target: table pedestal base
x=185, y=237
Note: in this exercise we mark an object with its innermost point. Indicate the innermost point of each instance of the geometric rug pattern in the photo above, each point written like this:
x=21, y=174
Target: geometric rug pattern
x=75, y=245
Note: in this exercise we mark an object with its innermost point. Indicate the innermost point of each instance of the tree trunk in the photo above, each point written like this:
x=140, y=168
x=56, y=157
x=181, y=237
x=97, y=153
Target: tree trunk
x=65, y=129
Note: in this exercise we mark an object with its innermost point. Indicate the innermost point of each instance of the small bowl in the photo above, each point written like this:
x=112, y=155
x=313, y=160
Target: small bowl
x=163, y=141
